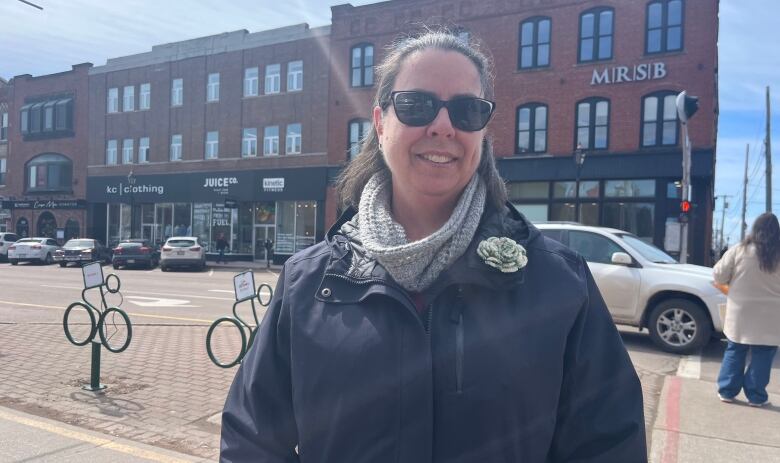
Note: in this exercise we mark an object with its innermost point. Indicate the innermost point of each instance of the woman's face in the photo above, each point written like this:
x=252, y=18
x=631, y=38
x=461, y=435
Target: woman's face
x=434, y=162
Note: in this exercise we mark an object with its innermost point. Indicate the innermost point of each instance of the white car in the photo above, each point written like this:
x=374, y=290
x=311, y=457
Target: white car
x=182, y=251
x=6, y=240
x=645, y=287
x=33, y=250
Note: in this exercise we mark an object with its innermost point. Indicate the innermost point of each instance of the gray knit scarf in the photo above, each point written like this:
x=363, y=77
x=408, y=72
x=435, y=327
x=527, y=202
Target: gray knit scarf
x=414, y=265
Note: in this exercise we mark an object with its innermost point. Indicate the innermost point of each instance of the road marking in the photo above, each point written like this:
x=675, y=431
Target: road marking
x=141, y=315
x=690, y=367
x=221, y=291
x=147, y=292
x=211, y=272
x=672, y=445
x=97, y=441
x=158, y=302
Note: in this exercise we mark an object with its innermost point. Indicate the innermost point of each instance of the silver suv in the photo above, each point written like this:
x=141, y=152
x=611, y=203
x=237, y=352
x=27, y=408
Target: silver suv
x=6, y=240
x=645, y=287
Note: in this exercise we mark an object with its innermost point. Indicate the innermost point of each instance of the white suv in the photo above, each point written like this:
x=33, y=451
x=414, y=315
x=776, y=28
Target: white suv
x=6, y=240
x=645, y=287
x=182, y=251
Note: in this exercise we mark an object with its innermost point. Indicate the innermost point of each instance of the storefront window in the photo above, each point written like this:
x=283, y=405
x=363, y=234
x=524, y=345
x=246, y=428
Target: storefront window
x=528, y=190
x=589, y=214
x=636, y=218
x=164, y=223
x=305, y=224
x=533, y=212
x=265, y=213
x=182, y=225
x=221, y=219
x=201, y=223
x=113, y=223
x=124, y=233
x=564, y=189
x=629, y=188
x=589, y=189
x=564, y=212
x=674, y=190
x=243, y=243
x=285, y=227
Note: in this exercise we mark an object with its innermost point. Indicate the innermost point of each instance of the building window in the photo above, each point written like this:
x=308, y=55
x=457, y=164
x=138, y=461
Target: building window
x=362, y=65
x=272, y=78
x=176, y=147
x=659, y=119
x=35, y=117
x=112, y=105
x=271, y=141
x=3, y=170
x=3, y=126
x=249, y=143
x=596, y=34
x=111, y=158
x=534, y=43
x=177, y=92
x=293, y=141
x=629, y=188
x=664, y=26
x=63, y=115
x=48, y=116
x=212, y=88
x=250, y=82
x=49, y=173
x=128, y=98
x=294, y=76
x=296, y=223
x=143, y=149
x=212, y=145
x=145, y=96
x=593, y=124
x=127, y=151
x=532, y=128
x=358, y=130
x=24, y=119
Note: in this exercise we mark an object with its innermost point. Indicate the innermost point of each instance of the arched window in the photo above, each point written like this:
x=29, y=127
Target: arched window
x=47, y=225
x=664, y=26
x=596, y=32
x=532, y=128
x=71, y=229
x=358, y=129
x=23, y=227
x=362, y=65
x=592, y=124
x=534, y=50
x=659, y=119
x=49, y=172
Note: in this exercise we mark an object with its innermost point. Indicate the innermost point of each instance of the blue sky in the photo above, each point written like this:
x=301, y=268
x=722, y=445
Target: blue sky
x=75, y=31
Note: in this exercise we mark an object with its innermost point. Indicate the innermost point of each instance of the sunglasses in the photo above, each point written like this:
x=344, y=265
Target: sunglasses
x=418, y=109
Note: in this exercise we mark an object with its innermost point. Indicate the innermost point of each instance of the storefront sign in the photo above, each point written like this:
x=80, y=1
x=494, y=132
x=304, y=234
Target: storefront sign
x=46, y=204
x=620, y=74
x=220, y=185
x=273, y=185
x=244, y=286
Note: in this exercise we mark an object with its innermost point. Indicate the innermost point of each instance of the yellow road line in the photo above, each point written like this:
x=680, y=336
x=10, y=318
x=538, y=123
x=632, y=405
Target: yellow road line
x=165, y=317
x=98, y=441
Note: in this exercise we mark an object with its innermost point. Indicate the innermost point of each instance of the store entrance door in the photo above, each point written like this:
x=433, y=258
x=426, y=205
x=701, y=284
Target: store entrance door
x=262, y=233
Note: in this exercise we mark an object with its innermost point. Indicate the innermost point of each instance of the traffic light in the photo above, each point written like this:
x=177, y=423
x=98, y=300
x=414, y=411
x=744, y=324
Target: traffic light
x=686, y=106
x=685, y=210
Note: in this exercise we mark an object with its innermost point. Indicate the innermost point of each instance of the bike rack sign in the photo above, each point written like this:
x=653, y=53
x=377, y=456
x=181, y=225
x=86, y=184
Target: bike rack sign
x=93, y=275
x=244, y=286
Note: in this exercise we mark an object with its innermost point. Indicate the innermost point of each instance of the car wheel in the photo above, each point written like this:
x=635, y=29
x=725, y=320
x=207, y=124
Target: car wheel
x=63, y=264
x=163, y=268
x=13, y=261
x=679, y=326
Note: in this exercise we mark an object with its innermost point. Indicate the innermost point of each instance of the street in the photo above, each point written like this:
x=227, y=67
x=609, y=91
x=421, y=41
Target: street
x=164, y=391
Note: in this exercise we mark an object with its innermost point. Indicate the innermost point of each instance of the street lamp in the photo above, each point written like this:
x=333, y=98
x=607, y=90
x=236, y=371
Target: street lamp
x=579, y=160
x=131, y=181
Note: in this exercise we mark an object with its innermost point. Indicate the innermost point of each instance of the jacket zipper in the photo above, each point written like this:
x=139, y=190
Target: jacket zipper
x=410, y=303
x=459, y=344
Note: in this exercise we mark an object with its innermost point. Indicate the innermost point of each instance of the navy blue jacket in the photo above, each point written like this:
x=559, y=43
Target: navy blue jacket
x=503, y=367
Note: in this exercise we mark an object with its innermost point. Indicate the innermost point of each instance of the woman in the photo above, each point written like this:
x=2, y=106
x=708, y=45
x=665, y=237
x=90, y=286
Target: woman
x=752, y=272
x=434, y=323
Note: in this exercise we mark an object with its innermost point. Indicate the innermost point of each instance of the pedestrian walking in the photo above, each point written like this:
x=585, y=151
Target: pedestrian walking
x=221, y=245
x=434, y=323
x=751, y=270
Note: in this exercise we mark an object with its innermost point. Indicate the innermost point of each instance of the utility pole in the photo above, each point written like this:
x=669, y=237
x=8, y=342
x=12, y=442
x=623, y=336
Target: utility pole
x=723, y=219
x=768, y=155
x=686, y=107
x=744, y=195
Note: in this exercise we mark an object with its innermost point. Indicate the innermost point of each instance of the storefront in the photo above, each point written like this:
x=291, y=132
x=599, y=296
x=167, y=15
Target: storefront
x=58, y=219
x=285, y=206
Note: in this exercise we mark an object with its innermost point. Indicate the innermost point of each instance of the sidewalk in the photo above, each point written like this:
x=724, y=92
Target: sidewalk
x=693, y=426
x=25, y=437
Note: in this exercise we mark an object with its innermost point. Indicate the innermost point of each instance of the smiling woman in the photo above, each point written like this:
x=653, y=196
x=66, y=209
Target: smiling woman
x=434, y=323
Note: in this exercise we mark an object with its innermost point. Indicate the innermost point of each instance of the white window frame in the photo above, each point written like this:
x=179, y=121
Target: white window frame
x=3, y=126
x=212, y=87
x=143, y=150
x=177, y=92
x=293, y=141
x=127, y=151
x=248, y=142
x=251, y=81
x=145, y=96
x=212, y=146
x=3, y=168
x=295, y=76
x=273, y=77
x=271, y=142
x=176, y=148
x=128, y=98
x=358, y=129
x=111, y=153
x=112, y=100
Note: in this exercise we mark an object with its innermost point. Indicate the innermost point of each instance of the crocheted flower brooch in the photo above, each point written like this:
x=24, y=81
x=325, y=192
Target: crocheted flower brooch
x=503, y=254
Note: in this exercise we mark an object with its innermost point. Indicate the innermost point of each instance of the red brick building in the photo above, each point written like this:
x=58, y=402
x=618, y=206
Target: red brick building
x=45, y=191
x=5, y=100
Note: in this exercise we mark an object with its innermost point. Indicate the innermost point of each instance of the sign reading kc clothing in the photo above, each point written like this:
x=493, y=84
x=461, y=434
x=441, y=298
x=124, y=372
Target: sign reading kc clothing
x=45, y=204
x=187, y=187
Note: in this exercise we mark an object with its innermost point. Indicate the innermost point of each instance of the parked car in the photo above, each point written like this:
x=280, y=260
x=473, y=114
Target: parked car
x=40, y=250
x=83, y=251
x=645, y=287
x=136, y=252
x=182, y=251
x=6, y=240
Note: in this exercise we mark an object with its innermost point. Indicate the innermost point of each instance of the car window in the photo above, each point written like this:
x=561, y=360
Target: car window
x=593, y=247
x=180, y=243
x=29, y=240
x=130, y=245
x=51, y=242
x=557, y=235
x=79, y=244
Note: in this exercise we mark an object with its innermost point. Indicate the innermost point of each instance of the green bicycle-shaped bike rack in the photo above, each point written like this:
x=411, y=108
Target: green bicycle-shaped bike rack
x=222, y=332
x=84, y=323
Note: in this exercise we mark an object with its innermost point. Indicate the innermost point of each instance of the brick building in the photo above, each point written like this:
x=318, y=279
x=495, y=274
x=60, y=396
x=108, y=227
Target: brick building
x=222, y=135
x=600, y=75
x=5, y=100
x=45, y=191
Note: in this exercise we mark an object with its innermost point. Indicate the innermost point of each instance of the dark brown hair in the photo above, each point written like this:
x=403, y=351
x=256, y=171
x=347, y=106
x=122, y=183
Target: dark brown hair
x=356, y=174
x=765, y=236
